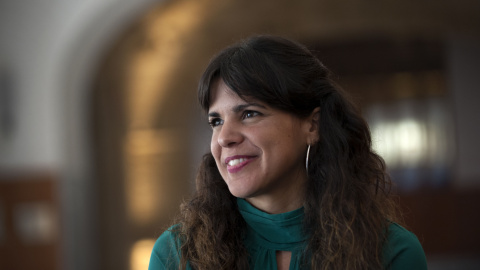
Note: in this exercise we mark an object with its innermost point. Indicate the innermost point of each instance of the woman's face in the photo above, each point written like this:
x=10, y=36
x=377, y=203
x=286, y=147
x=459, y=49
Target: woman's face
x=260, y=151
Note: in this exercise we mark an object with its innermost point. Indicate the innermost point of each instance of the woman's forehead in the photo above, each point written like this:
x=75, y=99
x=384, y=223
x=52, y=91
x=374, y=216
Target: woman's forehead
x=220, y=93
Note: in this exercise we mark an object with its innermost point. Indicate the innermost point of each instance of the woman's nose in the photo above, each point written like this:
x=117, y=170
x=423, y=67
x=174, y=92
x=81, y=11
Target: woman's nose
x=230, y=135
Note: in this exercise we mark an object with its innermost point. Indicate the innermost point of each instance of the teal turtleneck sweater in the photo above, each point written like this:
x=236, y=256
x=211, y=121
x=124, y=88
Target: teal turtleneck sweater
x=268, y=233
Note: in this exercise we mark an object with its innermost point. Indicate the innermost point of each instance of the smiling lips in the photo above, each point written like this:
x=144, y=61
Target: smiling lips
x=236, y=163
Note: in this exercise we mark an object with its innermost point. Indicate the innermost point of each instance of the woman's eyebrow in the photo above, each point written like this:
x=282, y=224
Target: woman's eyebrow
x=238, y=108
x=213, y=114
x=241, y=107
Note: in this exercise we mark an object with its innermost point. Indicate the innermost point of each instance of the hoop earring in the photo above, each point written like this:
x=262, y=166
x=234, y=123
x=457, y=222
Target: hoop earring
x=306, y=161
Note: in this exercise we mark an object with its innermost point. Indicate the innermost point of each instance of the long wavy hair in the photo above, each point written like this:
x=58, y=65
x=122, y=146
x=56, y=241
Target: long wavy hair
x=346, y=202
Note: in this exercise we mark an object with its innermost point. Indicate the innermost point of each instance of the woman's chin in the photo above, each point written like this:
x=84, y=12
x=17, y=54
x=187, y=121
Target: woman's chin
x=240, y=193
x=237, y=194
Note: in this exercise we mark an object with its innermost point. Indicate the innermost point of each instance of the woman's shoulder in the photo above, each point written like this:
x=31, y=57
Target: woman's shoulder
x=403, y=250
x=166, y=251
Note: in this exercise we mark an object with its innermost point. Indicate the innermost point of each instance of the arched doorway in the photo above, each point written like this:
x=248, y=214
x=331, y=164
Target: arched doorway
x=149, y=132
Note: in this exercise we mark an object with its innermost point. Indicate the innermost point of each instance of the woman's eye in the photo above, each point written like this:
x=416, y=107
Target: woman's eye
x=250, y=114
x=215, y=122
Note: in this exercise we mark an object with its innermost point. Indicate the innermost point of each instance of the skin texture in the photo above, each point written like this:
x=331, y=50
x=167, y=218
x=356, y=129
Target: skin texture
x=272, y=144
x=283, y=259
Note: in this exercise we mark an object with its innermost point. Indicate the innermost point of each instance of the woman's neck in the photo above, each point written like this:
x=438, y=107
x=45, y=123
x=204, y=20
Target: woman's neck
x=282, y=200
x=277, y=204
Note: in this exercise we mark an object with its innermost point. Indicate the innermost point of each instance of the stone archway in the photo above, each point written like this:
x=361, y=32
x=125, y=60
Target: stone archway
x=149, y=132
x=90, y=33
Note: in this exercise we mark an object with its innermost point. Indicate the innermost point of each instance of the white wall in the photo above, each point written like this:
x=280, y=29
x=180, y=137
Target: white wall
x=37, y=41
x=50, y=48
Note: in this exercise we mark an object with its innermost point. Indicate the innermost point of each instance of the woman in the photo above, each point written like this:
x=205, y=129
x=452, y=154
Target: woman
x=291, y=181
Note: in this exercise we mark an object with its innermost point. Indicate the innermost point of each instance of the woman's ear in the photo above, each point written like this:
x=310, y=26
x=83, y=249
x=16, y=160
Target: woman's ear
x=313, y=125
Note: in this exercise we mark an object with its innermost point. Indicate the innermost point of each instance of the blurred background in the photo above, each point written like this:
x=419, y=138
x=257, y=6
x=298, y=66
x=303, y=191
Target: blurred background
x=100, y=133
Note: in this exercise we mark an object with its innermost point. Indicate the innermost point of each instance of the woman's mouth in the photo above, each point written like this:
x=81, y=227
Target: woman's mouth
x=236, y=163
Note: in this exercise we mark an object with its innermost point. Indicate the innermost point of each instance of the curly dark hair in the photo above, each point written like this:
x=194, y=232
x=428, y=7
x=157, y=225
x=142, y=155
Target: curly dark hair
x=347, y=200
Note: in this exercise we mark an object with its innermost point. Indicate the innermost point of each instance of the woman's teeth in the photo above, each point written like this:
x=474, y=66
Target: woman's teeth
x=234, y=162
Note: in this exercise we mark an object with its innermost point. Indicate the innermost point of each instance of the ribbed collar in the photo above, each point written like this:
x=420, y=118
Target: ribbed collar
x=279, y=231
